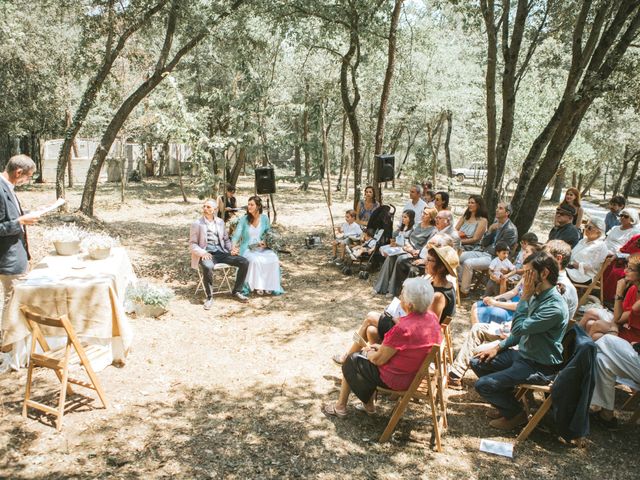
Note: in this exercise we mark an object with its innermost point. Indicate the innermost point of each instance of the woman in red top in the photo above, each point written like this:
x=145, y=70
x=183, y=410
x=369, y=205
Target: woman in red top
x=626, y=311
x=615, y=270
x=395, y=363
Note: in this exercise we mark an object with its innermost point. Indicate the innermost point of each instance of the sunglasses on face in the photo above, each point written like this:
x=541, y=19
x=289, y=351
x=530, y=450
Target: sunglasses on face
x=592, y=227
x=625, y=215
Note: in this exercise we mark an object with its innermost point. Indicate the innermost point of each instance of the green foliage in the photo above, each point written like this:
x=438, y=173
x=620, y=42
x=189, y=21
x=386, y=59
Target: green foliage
x=150, y=294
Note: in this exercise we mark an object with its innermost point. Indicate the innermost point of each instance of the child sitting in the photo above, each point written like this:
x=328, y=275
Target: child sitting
x=367, y=247
x=498, y=268
x=348, y=233
x=399, y=236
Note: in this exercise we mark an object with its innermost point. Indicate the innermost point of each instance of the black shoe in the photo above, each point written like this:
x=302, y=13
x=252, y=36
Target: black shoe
x=610, y=424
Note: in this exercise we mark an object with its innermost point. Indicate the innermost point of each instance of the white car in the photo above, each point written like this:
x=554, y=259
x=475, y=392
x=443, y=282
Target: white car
x=476, y=172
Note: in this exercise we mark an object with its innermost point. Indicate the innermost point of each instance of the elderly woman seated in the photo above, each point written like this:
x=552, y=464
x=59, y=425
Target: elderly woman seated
x=395, y=363
x=440, y=262
x=588, y=254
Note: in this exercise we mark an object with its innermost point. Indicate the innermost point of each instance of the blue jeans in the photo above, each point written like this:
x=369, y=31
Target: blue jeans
x=498, y=378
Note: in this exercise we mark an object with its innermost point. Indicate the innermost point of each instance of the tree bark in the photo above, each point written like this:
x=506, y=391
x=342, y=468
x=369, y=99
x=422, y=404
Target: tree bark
x=592, y=63
x=305, y=140
x=164, y=66
x=627, y=158
x=410, y=142
x=499, y=141
x=325, y=154
x=447, y=151
x=342, y=152
x=237, y=167
x=591, y=181
x=558, y=185
x=386, y=92
x=297, y=164
x=632, y=177
x=95, y=84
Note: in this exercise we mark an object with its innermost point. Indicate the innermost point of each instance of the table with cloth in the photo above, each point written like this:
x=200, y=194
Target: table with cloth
x=90, y=292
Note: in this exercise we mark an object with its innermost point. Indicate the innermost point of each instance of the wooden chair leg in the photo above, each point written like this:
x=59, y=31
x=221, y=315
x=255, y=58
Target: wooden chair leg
x=27, y=393
x=434, y=417
x=632, y=398
x=63, y=388
x=86, y=363
x=398, y=411
x=533, y=422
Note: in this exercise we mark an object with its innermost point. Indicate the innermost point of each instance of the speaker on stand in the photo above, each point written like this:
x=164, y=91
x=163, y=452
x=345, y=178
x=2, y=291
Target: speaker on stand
x=266, y=184
x=265, y=180
x=385, y=167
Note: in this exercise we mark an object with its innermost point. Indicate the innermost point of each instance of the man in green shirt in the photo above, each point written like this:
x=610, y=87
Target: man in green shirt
x=539, y=323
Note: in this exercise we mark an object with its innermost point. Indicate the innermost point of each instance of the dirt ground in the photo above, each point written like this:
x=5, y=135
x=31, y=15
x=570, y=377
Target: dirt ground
x=235, y=392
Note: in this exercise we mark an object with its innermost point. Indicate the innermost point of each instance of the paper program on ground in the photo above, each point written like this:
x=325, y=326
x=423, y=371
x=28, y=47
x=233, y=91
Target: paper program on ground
x=496, y=448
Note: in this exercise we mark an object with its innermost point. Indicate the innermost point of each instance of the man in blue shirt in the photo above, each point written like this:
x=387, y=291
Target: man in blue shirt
x=616, y=204
x=538, y=326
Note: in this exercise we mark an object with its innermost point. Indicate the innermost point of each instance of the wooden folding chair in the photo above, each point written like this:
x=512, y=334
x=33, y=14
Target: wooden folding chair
x=427, y=385
x=58, y=361
x=596, y=284
x=447, y=353
x=634, y=397
x=568, y=345
x=227, y=278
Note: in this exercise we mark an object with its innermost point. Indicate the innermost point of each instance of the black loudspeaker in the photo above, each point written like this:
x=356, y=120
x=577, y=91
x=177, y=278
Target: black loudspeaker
x=385, y=166
x=265, y=180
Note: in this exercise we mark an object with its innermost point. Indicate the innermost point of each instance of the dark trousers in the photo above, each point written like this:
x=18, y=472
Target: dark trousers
x=499, y=377
x=403, y=268
x=224, y=257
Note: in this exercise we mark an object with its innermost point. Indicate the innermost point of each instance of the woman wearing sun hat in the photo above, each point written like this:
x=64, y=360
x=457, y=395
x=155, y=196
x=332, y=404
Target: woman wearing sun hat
x=440, y=262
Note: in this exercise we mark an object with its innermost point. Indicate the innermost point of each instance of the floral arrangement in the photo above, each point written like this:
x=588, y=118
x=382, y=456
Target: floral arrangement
x=65, y=233
x=150, y=294
x=99, y=241
x=273, y=240
x=232, y=224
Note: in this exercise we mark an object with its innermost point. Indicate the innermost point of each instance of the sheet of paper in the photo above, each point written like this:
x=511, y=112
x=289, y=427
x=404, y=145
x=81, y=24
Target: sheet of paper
x=394, y=309
x=496, y=448
x=57, y=204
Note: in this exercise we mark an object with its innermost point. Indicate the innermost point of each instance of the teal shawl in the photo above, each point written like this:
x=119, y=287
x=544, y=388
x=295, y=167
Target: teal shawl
x=241, y=238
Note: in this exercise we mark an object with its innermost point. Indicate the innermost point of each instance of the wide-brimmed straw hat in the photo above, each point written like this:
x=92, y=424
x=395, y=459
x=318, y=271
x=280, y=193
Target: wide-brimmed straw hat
x=449, y=257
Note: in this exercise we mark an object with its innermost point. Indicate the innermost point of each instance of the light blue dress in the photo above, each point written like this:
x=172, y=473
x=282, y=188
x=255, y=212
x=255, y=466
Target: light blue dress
x=264, y=265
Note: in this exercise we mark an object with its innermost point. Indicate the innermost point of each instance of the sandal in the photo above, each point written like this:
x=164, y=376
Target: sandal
x=361, y=407
x=329, y=409
x=339, y=359
x=260, y=292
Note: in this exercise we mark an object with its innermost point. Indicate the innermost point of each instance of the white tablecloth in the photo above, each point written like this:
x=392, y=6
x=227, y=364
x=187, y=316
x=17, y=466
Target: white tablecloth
x=90, y=292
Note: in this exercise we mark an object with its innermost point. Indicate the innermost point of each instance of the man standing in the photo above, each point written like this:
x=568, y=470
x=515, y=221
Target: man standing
x=14, y=249
x=502, y=230
x=210, y=244
x=563, y=227
x=538, y=325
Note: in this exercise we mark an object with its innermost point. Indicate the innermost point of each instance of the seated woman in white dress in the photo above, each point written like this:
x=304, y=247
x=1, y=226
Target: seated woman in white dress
x=264, y=267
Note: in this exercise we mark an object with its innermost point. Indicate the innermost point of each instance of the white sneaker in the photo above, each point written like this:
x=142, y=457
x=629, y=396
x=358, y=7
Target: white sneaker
x=208, y=303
